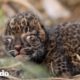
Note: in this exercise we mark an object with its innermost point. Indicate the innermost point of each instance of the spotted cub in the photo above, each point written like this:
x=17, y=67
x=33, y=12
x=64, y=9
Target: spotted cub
x=58, y=48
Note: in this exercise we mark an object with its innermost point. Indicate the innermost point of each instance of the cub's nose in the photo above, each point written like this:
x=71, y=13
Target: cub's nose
x=18, y=47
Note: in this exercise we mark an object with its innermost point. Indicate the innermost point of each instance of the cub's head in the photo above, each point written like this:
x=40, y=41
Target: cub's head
x=25, y=35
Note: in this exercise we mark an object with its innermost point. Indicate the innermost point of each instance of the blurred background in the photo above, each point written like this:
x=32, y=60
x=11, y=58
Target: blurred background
x=50, y=12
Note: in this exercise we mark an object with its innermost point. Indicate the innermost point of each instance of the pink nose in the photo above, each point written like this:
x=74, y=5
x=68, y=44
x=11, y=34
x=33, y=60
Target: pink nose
x=18, y=47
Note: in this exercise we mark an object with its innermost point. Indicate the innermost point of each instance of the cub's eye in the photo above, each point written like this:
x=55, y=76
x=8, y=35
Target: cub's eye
x=9, y=40
x=30, y=38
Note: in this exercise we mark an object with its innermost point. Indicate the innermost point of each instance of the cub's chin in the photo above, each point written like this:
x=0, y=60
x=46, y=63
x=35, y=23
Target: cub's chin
x=22, y=58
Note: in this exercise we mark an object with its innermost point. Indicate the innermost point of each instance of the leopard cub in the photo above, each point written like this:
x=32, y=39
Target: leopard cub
x=58, y=48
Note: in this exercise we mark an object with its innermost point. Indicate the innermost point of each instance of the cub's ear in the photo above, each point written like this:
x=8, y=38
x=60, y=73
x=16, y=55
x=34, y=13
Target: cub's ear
x=42, y=32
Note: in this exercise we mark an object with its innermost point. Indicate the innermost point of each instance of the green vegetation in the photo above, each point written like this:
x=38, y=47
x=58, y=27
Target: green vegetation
x=28, y=70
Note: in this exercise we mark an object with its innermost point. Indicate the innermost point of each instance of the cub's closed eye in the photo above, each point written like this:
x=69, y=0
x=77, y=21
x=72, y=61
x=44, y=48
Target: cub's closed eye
x=9, y=40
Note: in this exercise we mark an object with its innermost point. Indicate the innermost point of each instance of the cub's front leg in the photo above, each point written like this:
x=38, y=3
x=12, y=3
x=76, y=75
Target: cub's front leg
x=59, y=65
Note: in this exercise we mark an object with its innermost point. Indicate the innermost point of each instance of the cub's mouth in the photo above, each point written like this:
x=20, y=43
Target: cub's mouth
x=23, y=51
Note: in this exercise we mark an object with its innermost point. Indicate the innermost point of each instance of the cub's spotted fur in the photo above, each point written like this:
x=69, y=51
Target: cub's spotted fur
x=58, y=47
